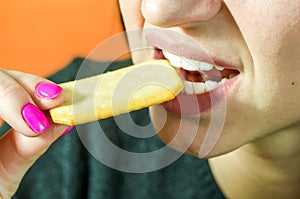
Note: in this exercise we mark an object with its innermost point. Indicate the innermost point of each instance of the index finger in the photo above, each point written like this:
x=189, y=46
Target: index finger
x=18, y=109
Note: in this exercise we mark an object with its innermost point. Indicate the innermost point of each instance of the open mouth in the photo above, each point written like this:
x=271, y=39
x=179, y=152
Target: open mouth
x=199, y=77
x=205, y=81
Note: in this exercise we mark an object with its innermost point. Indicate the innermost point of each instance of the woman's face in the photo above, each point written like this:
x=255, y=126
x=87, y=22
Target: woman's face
x=259, y=40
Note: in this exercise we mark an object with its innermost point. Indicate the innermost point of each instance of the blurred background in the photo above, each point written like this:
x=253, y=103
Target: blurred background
x=41, y=37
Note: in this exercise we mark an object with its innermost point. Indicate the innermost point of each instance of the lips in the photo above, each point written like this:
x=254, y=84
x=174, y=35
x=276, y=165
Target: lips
x=206, y=84
x=199, y=77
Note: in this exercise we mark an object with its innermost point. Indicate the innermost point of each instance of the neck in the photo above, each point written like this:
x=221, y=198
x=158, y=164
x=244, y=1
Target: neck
x=265, y=168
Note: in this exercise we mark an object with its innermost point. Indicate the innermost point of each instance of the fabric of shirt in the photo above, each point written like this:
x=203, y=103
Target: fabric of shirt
x=71, y=170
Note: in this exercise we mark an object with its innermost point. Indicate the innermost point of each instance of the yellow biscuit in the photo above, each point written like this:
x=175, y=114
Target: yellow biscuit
x=117, y=92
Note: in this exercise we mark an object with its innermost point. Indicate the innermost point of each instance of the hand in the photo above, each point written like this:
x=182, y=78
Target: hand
x=24, y=101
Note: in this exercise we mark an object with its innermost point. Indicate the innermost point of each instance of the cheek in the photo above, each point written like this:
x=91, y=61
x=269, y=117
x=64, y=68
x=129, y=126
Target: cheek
x=271, y=31
x=134, y=22
x=183, y=135
x=265, y=25
x=131, y=13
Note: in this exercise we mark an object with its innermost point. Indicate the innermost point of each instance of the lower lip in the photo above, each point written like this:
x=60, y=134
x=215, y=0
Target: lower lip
x=195, y=104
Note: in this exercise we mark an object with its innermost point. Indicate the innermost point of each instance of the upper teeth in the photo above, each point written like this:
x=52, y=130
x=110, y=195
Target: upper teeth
x=189, y=64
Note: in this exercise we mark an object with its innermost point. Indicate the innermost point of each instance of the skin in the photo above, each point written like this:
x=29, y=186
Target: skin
x=259, y=144
x=20, y=147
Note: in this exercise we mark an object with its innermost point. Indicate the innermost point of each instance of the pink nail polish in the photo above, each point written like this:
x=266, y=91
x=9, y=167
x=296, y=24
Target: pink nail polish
x=35, y=118
x=67, y=131
x=48, y=90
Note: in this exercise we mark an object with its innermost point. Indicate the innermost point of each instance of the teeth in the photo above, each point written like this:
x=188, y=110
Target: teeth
x=173, y=59
x=194, y=65
x=210, y=85
x=188, y=64
x=188, y=87
x=219, y=68
x=201, y=87
x=223, y=81
x=205, y=66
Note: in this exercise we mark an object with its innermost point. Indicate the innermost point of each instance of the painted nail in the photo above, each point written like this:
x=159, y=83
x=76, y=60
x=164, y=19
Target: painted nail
x=35, y=118
x=48, y=90
x=67, y=131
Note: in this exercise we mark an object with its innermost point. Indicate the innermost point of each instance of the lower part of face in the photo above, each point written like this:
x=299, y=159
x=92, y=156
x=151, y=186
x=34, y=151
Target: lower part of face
x=259, y=38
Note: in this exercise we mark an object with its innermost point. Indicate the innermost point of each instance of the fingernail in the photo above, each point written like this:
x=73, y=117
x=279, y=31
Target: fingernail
x=48, y=90
x=67, y=131
x=35, y=118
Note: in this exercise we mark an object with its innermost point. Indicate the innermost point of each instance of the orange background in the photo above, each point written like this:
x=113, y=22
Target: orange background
x=42, y=36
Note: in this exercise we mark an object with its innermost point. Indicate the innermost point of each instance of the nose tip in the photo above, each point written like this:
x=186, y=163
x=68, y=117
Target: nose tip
x=168, y=13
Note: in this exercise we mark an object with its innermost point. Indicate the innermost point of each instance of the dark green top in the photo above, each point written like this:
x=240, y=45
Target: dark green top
x=69, y=171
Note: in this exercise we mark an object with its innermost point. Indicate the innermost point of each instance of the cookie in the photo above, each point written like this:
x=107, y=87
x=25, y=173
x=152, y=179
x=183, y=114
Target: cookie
x=117, y=92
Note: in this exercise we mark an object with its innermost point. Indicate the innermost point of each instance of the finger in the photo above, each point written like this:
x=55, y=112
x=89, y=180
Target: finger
x=44, y=93
x=18, y=109
x=19, y=152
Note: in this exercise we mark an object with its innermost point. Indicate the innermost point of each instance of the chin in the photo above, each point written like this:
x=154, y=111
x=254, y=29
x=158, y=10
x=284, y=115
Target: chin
x=194, y=135
x=185, y=134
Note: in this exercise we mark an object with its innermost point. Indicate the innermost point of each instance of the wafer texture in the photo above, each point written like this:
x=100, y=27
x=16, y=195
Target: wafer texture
x=117, y=92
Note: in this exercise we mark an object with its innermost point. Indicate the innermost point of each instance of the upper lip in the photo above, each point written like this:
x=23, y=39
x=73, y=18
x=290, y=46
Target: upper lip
x=181, y=45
